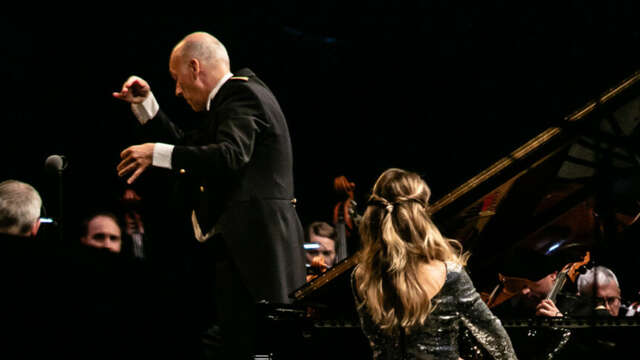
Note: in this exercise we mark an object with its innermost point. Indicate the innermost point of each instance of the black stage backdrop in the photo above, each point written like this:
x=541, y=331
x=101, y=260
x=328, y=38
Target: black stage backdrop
x=438, y=87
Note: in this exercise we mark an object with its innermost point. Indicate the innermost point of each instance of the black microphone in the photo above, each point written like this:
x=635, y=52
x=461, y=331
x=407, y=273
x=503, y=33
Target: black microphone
x=601, y=311
x=55, y=164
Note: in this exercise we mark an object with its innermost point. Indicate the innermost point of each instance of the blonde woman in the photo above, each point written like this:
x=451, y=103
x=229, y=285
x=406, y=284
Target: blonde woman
x=410, y=286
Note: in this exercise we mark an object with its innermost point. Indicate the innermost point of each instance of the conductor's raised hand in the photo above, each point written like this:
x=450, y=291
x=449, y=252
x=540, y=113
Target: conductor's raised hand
x=135, y=159
x=134, y=90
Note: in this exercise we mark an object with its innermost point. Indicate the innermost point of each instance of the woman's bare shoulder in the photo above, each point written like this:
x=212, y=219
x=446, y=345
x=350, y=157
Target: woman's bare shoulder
x=434, y=275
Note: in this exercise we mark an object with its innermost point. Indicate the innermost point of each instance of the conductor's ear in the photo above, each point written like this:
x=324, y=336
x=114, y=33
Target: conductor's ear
x=194, y=66
x=35, y=228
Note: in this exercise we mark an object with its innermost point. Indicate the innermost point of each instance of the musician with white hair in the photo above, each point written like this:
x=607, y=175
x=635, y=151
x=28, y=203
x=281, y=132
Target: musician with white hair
x=20, y=206
x=601, y=284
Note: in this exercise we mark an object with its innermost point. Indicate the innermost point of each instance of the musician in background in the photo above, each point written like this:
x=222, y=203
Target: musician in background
x=102, y=230
x=26, y=273
x=531, y=275
x=322, y=238
x=20, y=207
x=76, y=302
x=599, y=291
x=601, y=285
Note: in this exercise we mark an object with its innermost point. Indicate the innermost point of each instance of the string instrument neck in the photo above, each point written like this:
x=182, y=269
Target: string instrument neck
x=557, y=286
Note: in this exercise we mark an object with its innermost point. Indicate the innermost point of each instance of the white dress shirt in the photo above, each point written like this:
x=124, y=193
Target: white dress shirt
x=148, y=109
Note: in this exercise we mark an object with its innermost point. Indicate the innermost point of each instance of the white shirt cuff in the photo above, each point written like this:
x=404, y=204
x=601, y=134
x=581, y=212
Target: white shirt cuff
x=162, y=155
x=146, y=110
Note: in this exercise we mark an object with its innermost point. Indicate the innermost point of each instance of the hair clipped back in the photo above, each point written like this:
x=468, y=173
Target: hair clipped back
x=397, y=237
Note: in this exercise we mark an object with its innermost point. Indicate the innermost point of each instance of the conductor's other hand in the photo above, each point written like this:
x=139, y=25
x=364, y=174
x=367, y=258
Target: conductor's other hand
x=134, y=90
x=135, y=158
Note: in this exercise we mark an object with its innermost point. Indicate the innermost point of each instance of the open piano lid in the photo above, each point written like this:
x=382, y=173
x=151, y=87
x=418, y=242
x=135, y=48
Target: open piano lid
x=563, y=186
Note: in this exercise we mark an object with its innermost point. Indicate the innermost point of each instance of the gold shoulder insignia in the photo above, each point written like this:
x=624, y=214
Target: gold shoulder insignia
x=243, y=78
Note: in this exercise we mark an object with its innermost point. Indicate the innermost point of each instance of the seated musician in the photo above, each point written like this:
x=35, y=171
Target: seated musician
x=320, y=248
x=323, y=236
x=600, y=286
x=529, y=277
x=599, y=291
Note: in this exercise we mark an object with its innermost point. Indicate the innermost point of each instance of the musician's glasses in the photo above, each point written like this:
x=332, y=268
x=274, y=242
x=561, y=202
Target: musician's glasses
x=609, y=301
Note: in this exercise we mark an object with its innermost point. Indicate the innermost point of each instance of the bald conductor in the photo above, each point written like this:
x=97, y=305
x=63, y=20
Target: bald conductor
x=235, y=171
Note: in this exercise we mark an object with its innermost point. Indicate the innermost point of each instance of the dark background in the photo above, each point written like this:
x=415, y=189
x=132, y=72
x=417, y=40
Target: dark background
x=439, y=87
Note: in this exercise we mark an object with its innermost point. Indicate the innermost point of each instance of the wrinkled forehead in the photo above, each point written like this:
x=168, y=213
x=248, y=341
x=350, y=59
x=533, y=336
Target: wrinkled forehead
x=608, y=289
x=175, y=58
x=173, y=63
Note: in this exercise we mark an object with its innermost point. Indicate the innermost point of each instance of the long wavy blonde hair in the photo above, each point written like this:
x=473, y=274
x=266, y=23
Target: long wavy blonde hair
x=398, y=237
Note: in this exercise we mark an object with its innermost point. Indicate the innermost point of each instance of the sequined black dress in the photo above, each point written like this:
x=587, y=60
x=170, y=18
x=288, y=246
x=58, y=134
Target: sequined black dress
x=457, y=303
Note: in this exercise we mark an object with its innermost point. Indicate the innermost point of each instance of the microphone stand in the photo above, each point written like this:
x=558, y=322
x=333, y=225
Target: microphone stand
x=60, y=207
x=56, y=164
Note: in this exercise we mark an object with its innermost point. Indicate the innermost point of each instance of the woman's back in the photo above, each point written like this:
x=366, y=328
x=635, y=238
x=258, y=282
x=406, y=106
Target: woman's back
x=409, y=276
x=457, y=302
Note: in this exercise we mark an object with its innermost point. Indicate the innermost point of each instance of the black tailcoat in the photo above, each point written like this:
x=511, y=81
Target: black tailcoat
x=236, y=170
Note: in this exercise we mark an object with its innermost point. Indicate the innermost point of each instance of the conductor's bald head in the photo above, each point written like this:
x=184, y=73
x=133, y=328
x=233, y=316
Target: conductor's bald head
x=204, y=47
x=198, y=62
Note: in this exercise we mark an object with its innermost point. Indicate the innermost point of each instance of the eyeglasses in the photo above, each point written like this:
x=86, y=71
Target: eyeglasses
x=609, y=301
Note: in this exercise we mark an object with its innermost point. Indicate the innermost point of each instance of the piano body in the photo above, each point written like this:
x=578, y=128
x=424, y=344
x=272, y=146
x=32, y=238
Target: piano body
x=575, y=187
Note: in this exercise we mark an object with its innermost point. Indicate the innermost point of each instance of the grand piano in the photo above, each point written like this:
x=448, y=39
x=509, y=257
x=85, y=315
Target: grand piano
x=574, y=187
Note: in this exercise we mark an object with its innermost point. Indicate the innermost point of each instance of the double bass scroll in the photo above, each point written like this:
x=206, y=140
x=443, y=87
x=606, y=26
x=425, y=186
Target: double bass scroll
x=345, y=218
